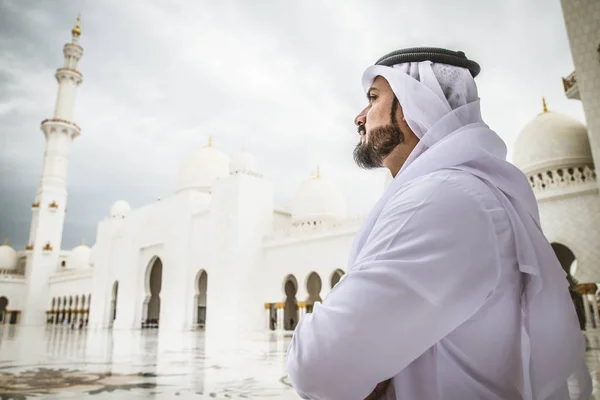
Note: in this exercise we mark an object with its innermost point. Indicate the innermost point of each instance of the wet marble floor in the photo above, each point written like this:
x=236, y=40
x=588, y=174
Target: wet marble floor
x=61, y=363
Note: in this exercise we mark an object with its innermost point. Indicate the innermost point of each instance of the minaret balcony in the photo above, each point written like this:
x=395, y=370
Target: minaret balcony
x=570, y=86
x=69, y=73
x=73, y=50
x=54, y=125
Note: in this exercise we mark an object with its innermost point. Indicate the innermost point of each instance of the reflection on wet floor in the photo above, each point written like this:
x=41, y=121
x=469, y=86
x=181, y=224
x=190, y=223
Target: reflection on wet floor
x=61, y=363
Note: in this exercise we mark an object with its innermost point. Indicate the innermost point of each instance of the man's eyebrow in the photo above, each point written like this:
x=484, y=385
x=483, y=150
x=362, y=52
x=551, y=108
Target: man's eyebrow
x=372, y=88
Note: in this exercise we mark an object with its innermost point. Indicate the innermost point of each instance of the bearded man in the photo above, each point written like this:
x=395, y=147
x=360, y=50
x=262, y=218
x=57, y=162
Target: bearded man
x=452, y=291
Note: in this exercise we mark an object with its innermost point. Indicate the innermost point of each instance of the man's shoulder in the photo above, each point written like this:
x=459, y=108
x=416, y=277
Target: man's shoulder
x=448, y=187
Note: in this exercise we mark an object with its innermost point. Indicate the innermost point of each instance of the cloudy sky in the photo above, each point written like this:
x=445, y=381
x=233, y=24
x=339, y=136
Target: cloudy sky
x=281, y=78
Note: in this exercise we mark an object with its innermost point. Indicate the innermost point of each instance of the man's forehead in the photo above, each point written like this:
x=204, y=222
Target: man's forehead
x=379, y=83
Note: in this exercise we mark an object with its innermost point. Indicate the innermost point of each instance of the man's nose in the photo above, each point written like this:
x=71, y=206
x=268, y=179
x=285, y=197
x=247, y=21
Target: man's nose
x=361, y=119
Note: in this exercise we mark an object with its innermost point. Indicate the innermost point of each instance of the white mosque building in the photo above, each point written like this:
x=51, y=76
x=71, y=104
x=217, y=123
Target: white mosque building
x=218, y=254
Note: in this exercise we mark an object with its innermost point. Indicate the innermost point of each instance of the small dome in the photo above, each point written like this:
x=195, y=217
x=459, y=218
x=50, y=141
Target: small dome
x=8, y=257
x=119, y=209
x=79, y=257
x=552, y=140
x=318, y=200
x=201, y=169
x=243, y=162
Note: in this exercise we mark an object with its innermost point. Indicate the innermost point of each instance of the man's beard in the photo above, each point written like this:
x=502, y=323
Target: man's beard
x=382, y=141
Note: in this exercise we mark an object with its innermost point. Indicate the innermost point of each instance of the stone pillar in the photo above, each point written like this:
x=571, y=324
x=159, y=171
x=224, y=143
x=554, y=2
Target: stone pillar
x=588, y=317
x=595, y=310
x=268, y=316
x=280, y=316
x=301, y=310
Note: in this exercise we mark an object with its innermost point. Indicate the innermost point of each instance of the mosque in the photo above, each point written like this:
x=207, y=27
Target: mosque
x=217, y=253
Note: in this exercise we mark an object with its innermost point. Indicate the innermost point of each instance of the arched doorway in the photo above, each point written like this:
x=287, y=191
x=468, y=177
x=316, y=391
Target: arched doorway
x=113, y=303
x=290, y=311
x=3, y=305
x=313, y=287
x=336, y=277
x=200, y=299
x=569, y=263
x=153, y=286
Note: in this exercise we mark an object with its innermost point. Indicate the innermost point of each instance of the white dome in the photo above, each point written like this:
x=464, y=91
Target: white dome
x=79, y=257
x=318, y=200
x=243, y=162
x=119, y=209
x=552, y=140
x=201, y=169
x=8, y=257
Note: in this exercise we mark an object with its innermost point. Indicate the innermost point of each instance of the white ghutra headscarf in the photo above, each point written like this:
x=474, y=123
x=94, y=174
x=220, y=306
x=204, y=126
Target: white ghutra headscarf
x=441, y=106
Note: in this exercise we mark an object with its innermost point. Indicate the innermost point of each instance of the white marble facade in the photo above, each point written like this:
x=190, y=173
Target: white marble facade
x=218, y=253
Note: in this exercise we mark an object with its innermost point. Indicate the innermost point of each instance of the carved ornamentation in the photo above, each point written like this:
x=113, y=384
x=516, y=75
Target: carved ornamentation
x=569, y=82
x=561, y=178
x=29, y=247
x=35, y=205
x=280, y=305
x=53, y=205
x=47, y=247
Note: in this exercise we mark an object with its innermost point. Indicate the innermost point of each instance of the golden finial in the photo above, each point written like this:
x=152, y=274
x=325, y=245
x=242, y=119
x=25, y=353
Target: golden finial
x=83, y=242
x=318, y=172
x=210, y=141
x=5, y=242
x=76, y=31
x=544, y=104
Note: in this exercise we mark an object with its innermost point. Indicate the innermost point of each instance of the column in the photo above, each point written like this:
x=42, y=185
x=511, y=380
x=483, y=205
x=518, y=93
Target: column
x=586, y=308
x=268, y=316
x=280, y=316
x=595, y=310
x=301, y=310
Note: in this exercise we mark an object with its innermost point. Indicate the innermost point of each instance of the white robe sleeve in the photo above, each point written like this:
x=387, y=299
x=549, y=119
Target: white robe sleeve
x=428, y=265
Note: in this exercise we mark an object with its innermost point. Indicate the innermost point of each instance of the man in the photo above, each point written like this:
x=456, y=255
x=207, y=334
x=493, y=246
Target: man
x=452, y=291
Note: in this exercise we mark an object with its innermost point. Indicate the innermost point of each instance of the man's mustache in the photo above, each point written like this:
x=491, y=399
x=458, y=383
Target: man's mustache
x=361, y=130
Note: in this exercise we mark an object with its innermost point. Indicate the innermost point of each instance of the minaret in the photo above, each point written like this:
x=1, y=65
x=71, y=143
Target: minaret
x=583, y=29
x=50, y=201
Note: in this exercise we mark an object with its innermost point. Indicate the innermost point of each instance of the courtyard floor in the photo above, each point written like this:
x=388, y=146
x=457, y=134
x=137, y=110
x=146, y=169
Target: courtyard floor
x=61, y=363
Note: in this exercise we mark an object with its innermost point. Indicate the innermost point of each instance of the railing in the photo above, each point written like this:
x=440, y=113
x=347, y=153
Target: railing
x=63, y=121
x=561, y=178
x=70, y=70
x=309, y=228
x=16, y=274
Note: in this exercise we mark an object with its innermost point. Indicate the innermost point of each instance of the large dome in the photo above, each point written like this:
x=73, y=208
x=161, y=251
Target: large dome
x=8, y=257
x=318, y=200
x=243, y=162
x=79, y=257
x=201, y=169
x=552, y=140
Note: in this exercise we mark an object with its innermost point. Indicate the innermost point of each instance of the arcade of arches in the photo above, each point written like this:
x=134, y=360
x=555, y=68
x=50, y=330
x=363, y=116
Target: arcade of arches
x=69, y=310
x=284, y=315
x=8, y=316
